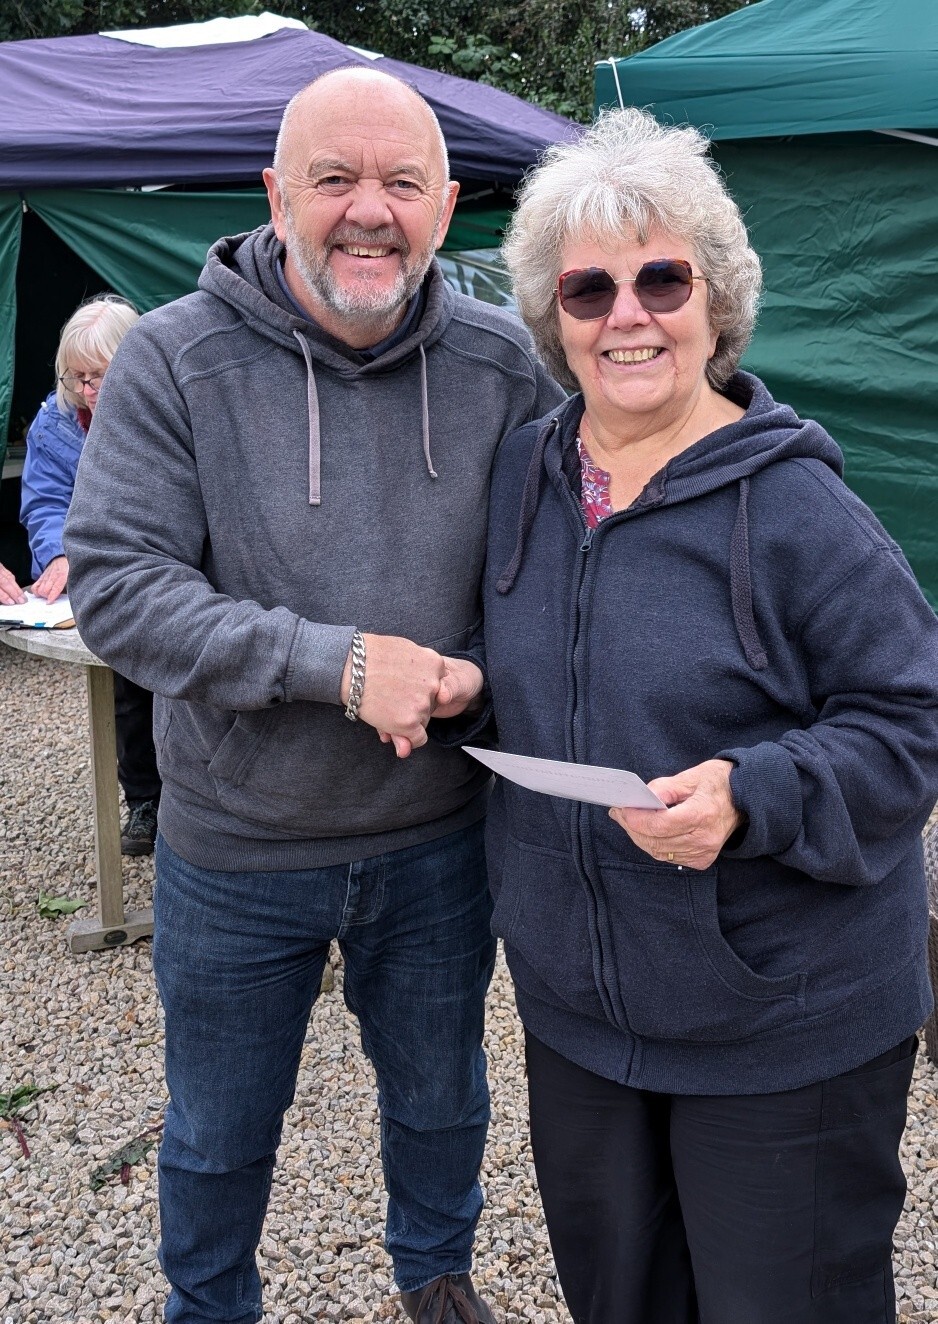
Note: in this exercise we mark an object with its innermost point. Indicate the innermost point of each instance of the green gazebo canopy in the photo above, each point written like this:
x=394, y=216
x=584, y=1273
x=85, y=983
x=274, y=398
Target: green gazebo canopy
x=791, y=67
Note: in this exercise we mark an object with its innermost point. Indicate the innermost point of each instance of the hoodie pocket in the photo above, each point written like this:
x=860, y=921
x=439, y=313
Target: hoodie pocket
x=162, y=721
x=455, y=643
x=679, y=978
x=302, y=770
x=239, y=745
x=541, y=913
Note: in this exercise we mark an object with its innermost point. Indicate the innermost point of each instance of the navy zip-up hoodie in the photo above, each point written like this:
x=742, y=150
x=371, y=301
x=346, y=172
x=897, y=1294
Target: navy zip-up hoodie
x=746, y=606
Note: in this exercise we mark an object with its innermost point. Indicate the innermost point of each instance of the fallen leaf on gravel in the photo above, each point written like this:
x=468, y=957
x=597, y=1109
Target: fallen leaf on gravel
x=51, y=907
x=121, y=1161
x=13, y=1106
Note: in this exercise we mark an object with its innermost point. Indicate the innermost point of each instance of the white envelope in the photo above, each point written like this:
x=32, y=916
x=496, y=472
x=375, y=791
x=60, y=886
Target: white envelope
x=571, y=781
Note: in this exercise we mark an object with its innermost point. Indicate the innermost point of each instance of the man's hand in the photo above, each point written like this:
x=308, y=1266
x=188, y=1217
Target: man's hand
x=51, y=583
x=402, y=685
x=459, y=690
x=10, y=591
x=699, y=821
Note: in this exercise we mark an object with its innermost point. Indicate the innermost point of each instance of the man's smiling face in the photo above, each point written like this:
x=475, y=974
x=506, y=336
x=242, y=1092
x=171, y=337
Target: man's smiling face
x=360, y=201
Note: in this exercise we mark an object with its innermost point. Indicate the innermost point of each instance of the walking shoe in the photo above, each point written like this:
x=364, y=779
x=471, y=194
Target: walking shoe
x=448, y=1300
x=139, y=832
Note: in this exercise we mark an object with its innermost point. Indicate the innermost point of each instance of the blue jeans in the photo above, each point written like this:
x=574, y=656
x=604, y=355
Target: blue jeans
x=239, y=960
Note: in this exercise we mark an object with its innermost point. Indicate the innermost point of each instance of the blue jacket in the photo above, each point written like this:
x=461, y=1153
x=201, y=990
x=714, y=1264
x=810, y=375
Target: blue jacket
x=53, y=448
x=746, y=606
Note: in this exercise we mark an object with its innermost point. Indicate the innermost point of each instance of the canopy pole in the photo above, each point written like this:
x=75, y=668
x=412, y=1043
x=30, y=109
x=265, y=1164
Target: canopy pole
x=913, y=137
x=615, y=74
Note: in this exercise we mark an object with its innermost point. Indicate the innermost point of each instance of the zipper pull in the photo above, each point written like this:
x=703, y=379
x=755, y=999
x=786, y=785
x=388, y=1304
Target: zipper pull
x=587, y=540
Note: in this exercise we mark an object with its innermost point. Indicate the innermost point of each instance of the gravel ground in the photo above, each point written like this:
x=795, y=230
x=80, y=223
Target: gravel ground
x=90, y=1025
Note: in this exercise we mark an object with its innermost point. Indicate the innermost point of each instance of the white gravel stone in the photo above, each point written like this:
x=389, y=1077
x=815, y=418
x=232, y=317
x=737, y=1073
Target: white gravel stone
x=91, y=1026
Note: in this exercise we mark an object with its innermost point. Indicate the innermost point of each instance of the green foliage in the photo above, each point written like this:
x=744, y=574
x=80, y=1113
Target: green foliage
x=51, y=907
x=21, y=1098
x=542, y=50
x=123, y=1159
x=21, y=19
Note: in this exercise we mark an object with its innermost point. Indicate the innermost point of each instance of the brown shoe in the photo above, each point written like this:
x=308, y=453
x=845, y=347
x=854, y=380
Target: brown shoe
x=448, y=1300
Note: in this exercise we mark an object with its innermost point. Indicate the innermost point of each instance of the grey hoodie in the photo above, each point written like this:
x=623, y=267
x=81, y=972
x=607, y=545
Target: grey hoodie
x=251, y=491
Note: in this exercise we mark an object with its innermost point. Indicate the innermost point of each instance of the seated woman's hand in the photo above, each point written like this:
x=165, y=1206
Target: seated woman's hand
x=10, y=591
x=51, y=583
x=698, y=822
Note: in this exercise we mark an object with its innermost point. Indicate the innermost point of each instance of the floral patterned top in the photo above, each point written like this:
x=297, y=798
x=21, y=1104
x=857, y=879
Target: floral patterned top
x=594, y=484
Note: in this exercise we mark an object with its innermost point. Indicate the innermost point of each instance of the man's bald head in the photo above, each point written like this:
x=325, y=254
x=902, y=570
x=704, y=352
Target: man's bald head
x=360, y=197
x=356, y=85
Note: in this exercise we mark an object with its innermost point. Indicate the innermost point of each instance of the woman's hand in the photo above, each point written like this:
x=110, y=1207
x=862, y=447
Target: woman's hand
x=51, y=583
x=698, y=822
x=460, y=687
x=10, y=591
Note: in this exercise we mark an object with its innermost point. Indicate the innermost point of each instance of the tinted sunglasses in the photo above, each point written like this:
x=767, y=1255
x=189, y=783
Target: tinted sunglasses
x=662, y=286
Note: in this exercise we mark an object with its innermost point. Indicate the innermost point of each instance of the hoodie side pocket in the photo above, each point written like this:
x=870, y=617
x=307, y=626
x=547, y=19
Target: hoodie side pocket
x=162, y=721
x=541, y=913
x=678, y=975
x=239, y=746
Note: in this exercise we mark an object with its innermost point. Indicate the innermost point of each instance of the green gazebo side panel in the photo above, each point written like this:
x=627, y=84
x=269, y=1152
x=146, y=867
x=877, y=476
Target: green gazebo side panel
x=11, y=212
x=846, y=228
x=151, y=246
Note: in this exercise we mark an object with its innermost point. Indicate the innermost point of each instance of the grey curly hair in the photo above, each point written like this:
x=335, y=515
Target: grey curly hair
x=626, y=175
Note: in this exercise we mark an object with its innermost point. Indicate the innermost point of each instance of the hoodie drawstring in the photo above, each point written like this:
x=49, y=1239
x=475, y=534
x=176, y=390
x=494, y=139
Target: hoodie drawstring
x=312, y=411
x=530, y=497
x=741, y=584
x=425, y=413
x=740, y=572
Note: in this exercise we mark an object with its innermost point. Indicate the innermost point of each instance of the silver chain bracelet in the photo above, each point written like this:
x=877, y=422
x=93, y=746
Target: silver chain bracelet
x=357, y=683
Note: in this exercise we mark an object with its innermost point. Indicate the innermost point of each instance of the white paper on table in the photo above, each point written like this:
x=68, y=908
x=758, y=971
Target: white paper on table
x=571, y=781
x=36, y=613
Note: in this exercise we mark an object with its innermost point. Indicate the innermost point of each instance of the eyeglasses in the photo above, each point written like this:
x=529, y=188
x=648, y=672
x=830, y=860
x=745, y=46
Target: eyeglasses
x=662, y=286
x=73, y=382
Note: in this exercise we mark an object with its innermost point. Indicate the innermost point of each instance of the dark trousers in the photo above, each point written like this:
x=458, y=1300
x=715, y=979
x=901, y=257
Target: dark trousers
x=136, y=755
x=749, y=1209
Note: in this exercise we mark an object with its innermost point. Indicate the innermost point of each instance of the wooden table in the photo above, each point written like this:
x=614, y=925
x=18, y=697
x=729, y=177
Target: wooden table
x=111, y=927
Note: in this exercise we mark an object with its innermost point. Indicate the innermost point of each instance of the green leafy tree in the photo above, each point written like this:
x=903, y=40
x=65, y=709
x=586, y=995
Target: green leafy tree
x=21, y=19
x=543, y=50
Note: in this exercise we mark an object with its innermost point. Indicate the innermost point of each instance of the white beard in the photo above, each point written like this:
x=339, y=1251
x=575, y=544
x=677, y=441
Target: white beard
x=371, y=309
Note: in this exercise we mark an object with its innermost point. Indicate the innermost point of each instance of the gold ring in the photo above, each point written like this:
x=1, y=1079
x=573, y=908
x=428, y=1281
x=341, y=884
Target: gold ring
x=670, y=857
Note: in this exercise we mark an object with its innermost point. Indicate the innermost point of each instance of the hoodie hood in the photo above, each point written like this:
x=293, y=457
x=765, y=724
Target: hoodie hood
x=767, y=433
x=242, y=271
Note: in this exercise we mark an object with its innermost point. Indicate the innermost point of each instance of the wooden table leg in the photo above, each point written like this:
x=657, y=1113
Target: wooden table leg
x=112, y=927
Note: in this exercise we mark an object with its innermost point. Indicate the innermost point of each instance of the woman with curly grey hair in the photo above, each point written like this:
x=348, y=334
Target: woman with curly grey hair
x=720, y=994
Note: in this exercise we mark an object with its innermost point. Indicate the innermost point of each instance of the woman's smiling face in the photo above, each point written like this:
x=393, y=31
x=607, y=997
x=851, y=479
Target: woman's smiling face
x=645, y=370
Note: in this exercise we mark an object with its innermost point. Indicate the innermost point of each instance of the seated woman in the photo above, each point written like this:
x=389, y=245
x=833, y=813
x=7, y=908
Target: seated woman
x=720, y=997
x=54, y=442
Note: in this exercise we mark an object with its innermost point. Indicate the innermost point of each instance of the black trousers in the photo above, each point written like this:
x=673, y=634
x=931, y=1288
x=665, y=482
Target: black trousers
x=753, y=1209
x=136, y=755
